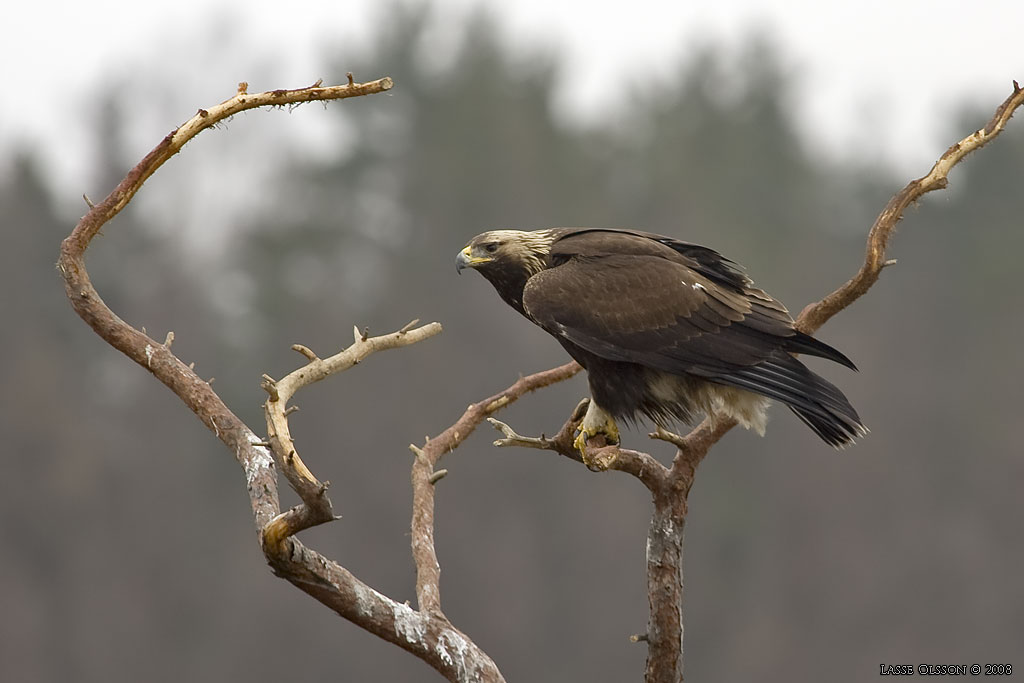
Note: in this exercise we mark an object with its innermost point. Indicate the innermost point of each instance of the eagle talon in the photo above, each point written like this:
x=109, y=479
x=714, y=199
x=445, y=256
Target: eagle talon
x=579, y=442
x=595, y=461
x=596, y=422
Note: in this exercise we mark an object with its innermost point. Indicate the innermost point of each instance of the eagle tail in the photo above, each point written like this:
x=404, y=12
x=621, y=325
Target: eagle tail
x=815, y=400
x=837, y=430
x=805, y=343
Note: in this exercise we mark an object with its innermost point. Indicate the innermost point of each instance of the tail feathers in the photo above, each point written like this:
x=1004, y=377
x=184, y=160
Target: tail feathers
x=815, y=400
x=836, y=429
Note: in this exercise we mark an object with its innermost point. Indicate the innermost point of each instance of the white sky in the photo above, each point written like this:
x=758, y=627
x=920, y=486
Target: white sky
x=875, y=77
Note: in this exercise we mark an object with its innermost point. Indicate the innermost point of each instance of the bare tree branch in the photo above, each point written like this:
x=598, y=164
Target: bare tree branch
x=428, y=570
x=817, y=314
x=316, y=506
x=430, y=637
x=643, y=466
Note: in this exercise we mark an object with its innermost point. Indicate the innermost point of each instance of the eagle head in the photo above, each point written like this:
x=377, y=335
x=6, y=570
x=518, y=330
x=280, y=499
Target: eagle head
x=507, y=258
x=506, y=250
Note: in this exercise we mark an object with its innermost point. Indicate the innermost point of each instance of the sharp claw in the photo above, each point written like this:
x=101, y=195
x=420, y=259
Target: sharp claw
x=579, y=442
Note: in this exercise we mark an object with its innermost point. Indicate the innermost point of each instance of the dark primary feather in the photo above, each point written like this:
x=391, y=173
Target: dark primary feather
x=627, y=304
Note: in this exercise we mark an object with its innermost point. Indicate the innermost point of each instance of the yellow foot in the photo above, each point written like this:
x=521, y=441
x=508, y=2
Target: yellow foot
x=596, y=422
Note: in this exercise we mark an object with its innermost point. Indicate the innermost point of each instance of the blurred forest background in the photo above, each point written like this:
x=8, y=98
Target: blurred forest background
x=129, y=552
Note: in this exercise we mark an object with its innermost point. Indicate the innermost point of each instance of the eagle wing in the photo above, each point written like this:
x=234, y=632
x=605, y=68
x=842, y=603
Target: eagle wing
x=657, y=312
x=625, y=297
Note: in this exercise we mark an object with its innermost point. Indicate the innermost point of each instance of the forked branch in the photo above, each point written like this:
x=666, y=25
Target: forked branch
x=428, y=636
x=424, y=476
x=316, y=507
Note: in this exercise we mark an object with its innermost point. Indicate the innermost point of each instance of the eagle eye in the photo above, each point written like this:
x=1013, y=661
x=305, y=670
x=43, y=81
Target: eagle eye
x=491, y=247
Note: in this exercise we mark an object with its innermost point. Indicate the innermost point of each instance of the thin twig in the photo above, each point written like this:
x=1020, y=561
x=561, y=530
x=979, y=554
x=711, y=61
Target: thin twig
x=513, y=439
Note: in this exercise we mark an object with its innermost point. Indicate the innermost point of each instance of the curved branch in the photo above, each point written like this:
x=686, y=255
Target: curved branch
x=155, y=357
x=430, y=637
x=424, y=477
x=101, y=213
x=316, y=506
x=817, y=314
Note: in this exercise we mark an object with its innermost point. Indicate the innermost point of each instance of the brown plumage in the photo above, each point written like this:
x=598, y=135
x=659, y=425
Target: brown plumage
x=665, y=329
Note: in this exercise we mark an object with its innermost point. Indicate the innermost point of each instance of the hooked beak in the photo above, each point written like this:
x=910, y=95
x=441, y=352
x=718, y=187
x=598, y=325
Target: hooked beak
x=465, y=259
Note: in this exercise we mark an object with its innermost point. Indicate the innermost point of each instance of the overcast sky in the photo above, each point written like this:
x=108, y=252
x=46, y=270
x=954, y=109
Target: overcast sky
x=875, y=77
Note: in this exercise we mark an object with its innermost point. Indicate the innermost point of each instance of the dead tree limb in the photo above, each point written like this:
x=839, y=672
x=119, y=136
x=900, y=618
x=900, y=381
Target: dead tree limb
x=670, y=487
x=426, y=634
x=424, y=477
x=316, y=507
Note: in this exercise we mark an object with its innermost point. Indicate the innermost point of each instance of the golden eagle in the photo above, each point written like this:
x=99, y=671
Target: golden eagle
x=664, y=329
